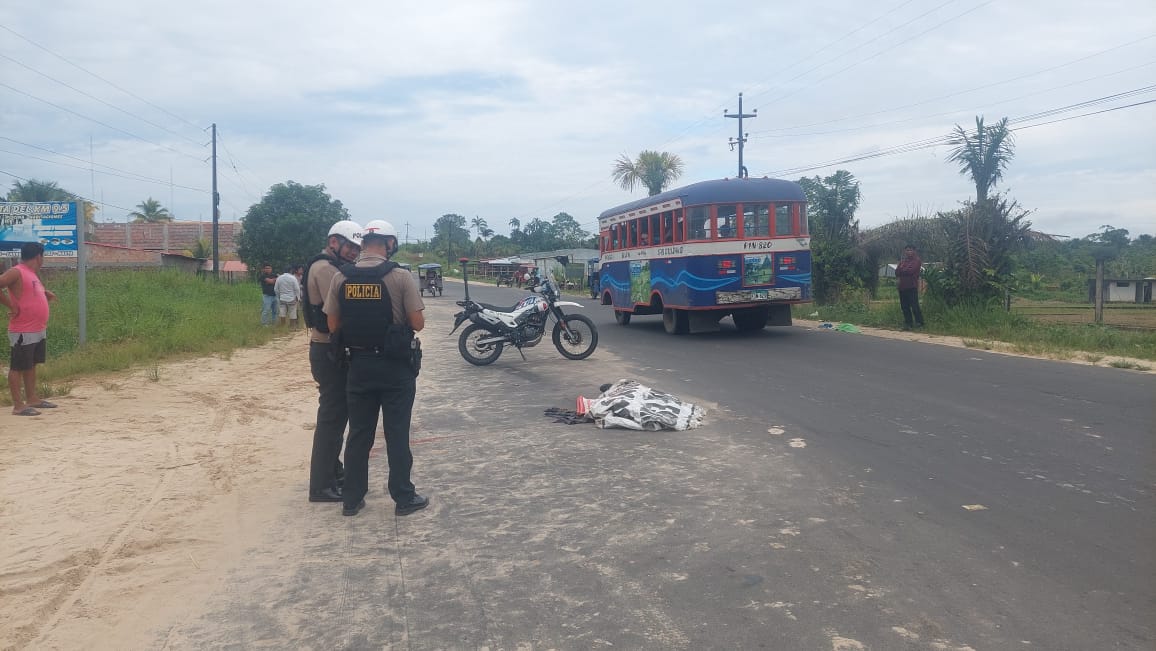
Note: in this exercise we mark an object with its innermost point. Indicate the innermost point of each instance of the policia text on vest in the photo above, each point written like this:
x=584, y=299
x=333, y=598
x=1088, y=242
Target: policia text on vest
x=367, y=318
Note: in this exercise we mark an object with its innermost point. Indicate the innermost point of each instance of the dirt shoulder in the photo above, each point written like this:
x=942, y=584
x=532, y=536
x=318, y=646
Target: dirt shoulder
x=1002, y=348
x=136, y=490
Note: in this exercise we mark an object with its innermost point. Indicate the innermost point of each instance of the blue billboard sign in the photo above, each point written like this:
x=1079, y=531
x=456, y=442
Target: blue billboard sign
x=52, y=223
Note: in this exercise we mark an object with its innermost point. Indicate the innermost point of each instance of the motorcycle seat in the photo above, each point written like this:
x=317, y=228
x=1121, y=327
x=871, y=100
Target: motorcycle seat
x=498, y=308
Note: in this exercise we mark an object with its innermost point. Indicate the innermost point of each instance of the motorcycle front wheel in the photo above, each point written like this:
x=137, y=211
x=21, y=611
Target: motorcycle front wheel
x=578, y=339
x=477, y=353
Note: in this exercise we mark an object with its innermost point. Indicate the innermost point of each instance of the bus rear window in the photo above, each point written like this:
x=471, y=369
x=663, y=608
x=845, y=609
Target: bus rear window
x=756, y=220
x=783, y=222
x=700, y=226
x=728, y=221
x=804, y=224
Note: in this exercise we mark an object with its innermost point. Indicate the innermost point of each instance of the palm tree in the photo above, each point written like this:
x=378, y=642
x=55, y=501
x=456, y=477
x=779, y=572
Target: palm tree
x=515, y=224
x=34, y=190
x=984, y=155
x=480, y=226
x=202, y=249
x=653, y=169
x=151, y=211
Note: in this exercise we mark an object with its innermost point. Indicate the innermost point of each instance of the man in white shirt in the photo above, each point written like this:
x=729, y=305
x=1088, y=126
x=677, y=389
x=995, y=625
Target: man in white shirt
x=288, y=291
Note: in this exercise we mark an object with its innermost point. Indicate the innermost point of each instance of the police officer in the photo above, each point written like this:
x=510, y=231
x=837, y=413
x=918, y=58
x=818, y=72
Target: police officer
x=326, y=474
x=375, y=309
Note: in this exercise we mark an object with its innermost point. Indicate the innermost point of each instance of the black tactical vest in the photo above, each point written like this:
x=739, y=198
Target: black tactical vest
x=366, y=308
x=314, y=315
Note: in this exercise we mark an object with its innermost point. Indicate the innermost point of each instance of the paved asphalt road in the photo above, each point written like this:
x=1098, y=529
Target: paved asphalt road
x=820, y=507
x=900, y=437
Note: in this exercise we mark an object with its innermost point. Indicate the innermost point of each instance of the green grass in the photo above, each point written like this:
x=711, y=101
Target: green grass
x=981, y=325
x=138, y=318
x=1123, y=363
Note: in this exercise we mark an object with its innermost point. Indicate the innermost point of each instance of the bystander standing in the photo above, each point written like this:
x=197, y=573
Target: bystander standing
x=26, y=298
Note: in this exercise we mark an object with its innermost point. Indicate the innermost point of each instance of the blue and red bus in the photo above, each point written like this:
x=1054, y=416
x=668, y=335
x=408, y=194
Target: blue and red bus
x=696, y=254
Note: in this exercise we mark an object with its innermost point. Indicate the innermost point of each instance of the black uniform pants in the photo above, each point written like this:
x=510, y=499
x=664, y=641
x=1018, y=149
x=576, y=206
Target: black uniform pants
x=909, y=303
x=332, y=416
x=385, y=387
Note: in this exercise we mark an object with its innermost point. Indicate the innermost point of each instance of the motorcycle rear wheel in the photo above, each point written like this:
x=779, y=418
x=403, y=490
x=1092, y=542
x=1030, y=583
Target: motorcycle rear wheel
x=472, y=352
x=581, y=340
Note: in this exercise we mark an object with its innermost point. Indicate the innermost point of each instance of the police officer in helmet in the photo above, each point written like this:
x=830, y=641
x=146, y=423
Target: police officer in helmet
x=326, y=474
x=375, y=309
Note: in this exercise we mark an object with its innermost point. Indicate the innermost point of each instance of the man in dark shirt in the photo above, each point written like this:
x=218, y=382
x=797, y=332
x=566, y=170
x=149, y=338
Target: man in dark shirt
x=268, y=295
x=907, y=272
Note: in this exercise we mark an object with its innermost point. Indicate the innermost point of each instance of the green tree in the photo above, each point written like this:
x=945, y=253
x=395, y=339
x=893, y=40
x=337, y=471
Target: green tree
x=538, y=235
x=288, y=225
x=151, y=211
x=983, y=240
x=653, y=170
x=451, y=237
x=831, y=206
x=202, y=249
x=567, y=231
x=35, y=190
x=480, y=227
x=982, y=155
x=515, y=230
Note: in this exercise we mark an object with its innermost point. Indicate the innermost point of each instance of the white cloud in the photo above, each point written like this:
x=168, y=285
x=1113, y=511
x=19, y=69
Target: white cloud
x=515, y=108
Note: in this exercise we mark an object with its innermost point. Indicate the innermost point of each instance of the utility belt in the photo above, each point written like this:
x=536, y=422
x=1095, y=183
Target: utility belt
x=400, y=345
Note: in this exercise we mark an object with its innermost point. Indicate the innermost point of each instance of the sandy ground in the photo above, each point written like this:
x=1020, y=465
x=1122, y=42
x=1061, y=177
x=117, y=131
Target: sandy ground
x=149, y=512
x=124, y=507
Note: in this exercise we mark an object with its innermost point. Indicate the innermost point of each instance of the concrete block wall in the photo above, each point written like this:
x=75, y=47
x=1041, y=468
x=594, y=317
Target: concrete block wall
x=168, y=236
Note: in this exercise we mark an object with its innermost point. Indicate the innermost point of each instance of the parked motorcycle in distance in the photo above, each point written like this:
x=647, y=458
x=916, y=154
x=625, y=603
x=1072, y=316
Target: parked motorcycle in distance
x=522, y=325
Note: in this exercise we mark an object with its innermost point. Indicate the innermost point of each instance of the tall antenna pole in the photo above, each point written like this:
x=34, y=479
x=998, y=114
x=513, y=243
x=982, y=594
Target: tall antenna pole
x=742, y=139
x=216, y=213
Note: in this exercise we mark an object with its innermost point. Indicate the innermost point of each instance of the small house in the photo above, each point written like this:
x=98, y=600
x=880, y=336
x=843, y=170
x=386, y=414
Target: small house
x=1123, y=290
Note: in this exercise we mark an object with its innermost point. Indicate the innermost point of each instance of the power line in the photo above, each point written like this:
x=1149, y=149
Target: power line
x=888, y=49
x=860, y=46
x=94, y=97
x=86, y=70
x=132, y=175
x=714, y=113
x=87, y=168
x=754, y=92
x=943, y=140
x=943, y=113
x=1084, y=115
x=103, y=124
x=233, y=162
x=964, y=92
x=78, y=196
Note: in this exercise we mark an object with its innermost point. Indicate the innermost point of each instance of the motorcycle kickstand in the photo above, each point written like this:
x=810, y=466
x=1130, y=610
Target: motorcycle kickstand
x=521, y=353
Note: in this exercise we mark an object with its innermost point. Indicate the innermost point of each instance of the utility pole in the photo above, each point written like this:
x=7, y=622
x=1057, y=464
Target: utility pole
x=407, y=232
x=742, y=139
x=216, y=213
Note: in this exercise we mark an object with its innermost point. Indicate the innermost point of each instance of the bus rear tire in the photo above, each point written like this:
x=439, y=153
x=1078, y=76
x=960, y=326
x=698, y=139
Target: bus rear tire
x=750, y=319
x=621, y=317
x=675, y=322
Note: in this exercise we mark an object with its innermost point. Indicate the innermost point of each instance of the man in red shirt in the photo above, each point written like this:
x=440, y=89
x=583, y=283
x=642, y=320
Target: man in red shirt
x=27, y=300
x=907, y=271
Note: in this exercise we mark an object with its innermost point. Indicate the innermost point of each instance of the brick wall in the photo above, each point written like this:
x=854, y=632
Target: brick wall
x=168, y=236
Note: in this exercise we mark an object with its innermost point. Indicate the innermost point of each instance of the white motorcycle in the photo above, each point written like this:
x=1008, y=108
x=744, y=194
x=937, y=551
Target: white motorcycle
x=522, y=325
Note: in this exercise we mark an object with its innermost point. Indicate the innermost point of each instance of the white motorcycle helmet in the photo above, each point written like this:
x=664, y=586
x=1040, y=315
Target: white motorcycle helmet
x=348, y=229
x=380, y=228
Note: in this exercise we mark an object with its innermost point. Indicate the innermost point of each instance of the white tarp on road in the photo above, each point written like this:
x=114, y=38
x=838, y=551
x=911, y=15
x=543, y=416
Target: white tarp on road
x=631, y=405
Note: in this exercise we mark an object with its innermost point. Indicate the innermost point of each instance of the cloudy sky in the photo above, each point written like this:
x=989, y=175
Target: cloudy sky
x=509, y=108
